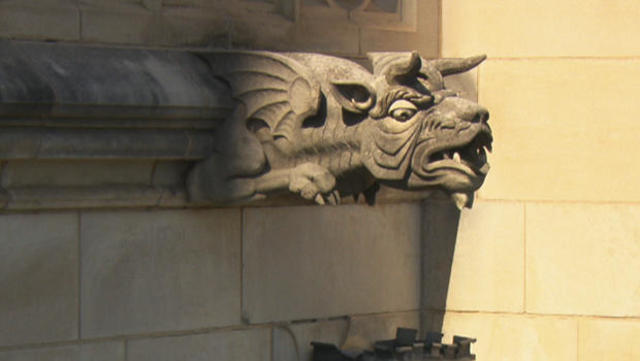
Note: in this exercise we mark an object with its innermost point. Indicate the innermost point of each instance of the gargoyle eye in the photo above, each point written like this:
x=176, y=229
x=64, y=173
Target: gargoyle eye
x=402, y=110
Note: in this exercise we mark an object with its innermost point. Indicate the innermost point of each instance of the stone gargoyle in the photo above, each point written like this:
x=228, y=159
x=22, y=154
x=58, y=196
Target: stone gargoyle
x=326, y=128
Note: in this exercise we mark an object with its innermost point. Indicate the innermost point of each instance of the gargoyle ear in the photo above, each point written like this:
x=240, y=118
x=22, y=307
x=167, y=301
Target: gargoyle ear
x=354, y=97
x=449, y=66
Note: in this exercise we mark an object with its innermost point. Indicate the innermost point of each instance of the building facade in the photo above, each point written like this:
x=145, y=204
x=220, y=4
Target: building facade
x=544, y=267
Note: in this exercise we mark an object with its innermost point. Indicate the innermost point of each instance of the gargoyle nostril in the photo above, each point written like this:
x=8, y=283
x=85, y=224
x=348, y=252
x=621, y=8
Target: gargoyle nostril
x=481, y=116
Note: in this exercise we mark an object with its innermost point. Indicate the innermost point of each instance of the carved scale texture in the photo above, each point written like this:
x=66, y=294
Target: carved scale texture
x=335, y=147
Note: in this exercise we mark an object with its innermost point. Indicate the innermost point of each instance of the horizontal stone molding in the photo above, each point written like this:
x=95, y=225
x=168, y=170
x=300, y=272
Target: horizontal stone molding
x=22, y=143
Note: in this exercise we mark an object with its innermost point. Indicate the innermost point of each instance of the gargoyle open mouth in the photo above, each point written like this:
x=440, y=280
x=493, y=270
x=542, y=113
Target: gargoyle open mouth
x=470, y=158
x=459, y=165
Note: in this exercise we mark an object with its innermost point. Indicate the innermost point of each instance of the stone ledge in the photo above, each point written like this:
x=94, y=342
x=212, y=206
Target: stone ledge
x=129, y=196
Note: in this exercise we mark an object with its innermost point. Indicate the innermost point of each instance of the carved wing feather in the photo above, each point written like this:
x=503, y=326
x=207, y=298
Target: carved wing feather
x=272, y=87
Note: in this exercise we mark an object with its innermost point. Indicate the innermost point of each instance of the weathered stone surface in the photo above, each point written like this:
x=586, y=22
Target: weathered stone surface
x=131, y=25
x=465, y=84
x=398, y=40
x=169, y=173
x=302, y=262
x=293, y=342
x=514, y=337
x=548, y=29
x=245, y=345
x=75, y=173
x=38, y=278
x=38, y=20
x=100, y=144
x=339, y=38
x=104, y=351
x=583, y=259
x=609, y=340
x=157, y=271
x=532, y=115
x=325, y=128
x=368, y=329
x=36, y=198
x=185, y=25
x=420, y=31
x=61, y=80
x=359, y=331
x=476, y=263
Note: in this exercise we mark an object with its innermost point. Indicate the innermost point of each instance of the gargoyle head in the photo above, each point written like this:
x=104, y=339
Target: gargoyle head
x=423, y=135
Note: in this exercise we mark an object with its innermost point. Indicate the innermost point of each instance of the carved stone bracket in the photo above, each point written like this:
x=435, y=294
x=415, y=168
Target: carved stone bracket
x=95, y=127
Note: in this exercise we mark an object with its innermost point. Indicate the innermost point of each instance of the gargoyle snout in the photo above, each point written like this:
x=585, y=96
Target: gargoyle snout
x=466, y=110
x=479, y=115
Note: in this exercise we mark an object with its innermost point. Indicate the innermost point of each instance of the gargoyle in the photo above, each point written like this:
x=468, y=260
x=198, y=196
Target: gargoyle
x=326, y=128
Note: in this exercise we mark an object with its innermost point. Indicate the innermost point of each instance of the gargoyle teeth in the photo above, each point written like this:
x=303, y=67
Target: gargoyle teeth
x=447, y=155
x=456, y=157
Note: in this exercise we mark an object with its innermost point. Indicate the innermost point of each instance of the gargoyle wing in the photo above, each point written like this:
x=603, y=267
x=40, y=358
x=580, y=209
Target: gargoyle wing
x=272, y=87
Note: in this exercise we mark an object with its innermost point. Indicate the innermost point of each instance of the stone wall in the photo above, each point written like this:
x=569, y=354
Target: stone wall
x=547, y=266
x=251, y=24
x=223, y=284
x=211, y=284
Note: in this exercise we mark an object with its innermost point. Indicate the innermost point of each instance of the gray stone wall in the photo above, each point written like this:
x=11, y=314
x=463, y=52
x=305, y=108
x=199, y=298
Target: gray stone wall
x=223, y=284
x=251, y=24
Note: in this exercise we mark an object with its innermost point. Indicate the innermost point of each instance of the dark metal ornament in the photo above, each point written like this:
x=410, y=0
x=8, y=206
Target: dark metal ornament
x=405, y=347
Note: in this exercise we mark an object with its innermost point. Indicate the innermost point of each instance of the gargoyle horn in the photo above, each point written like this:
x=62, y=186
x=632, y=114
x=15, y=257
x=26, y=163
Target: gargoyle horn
x=396, y=67
x=449, y=66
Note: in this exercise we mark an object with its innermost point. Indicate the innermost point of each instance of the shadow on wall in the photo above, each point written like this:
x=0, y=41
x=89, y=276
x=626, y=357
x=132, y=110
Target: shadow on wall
x=439, y=234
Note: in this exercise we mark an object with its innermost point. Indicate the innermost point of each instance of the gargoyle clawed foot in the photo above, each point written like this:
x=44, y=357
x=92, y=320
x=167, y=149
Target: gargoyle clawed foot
x=314, y=182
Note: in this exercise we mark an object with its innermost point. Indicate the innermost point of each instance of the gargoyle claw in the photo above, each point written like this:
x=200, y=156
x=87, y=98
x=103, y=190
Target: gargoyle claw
x=332, y=198
x=314, y=182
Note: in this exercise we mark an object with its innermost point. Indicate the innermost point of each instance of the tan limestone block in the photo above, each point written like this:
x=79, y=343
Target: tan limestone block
x=183, y=25
x=43, y=20
x=340, y=38
x=421, y=33
x=397, y=40
x=315, y=262
x=236, y=345
x=38, y=278
x=21, y=173
x=609, y=340
x=465, y=84
x=264, y=32
x=563, y=129
x=515, y=28
x=152, y=271
x=130, y=25
x=103, y=351
x=487, y=272
x=514, y=337
x=583, y=259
